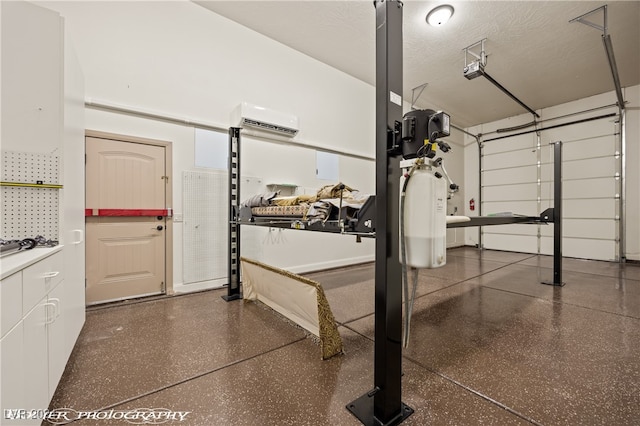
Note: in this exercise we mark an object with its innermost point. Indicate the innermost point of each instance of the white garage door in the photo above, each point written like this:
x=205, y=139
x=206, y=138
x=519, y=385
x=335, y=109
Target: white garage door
x=518, y=177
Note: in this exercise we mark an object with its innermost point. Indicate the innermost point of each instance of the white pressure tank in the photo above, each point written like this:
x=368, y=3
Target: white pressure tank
x=425, y=222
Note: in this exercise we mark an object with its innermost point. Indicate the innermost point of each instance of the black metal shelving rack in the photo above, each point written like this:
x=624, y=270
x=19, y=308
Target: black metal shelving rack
x=233, y=290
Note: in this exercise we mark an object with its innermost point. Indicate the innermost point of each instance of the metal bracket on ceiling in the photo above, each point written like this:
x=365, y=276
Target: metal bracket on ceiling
x=413, y=92
x=582, y=19
x=608, y=46
x=480, y=56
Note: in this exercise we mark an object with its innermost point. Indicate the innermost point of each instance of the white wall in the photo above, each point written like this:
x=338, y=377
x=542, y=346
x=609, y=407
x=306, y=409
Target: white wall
x=178, y=59
x=632, y=219
x=576, y=133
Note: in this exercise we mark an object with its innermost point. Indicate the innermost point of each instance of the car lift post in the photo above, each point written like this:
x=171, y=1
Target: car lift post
x=383, y=405
x=557, y=216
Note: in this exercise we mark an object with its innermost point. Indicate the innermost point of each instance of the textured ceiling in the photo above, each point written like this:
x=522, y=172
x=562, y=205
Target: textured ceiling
x=533, y=50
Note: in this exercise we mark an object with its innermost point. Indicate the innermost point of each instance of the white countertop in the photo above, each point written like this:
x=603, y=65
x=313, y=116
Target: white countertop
x=12, y=263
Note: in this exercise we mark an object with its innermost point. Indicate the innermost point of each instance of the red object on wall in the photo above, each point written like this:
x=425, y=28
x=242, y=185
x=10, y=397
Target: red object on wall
x=472, y=204
x=126, y=212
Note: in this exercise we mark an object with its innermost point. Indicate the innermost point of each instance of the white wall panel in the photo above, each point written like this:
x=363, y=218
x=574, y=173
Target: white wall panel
x=632, y=213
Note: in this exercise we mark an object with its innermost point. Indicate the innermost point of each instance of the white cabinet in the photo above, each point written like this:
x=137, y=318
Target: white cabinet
x=10, y=302
x=31, y=77
x=42, y=290
x=56, y=344
x=11, y=370
x=36, y=330
x=34, y=340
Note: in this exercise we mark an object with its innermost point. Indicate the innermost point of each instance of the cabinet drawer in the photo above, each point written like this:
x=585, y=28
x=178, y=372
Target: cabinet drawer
x=39, y=278
x=10, y=302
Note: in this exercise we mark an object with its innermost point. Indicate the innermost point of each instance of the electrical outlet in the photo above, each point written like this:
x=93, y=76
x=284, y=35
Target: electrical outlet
x=177, y=217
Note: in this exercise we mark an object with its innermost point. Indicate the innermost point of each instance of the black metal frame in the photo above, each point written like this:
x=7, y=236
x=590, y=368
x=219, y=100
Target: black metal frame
x=233, y=290
x=557, y=216
x=382, y=405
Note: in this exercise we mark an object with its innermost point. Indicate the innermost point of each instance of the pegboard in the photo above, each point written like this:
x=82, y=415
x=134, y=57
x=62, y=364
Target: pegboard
x=30, y=167
x=26, y=211
x=205, y=221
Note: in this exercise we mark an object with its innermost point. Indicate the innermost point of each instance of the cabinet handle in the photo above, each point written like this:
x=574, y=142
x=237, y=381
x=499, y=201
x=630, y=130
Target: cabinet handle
x=46, y=310
x=48, y=275
x=56, y=304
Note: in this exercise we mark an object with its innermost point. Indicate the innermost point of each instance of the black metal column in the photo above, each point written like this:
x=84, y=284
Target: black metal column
x=383, y=404
x=557, y=215
x=233, y=290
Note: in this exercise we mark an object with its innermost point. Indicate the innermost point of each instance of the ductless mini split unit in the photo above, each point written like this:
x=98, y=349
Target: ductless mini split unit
x=247, y=115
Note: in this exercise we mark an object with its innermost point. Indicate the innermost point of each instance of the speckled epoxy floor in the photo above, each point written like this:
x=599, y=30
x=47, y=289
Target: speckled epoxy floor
x=489, y=345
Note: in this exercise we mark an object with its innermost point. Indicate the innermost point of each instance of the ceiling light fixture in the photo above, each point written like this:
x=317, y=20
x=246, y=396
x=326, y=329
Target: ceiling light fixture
x=440, y=15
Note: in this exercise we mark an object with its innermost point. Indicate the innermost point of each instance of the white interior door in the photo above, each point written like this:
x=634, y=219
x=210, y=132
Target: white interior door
x=125, y=201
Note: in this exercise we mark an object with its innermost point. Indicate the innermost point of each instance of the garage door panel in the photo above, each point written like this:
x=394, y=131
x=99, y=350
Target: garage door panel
x=589, y=228
x=589, y=249
x=580, y=169
x=586, y=130
x=519, y=178
x=526, y=191
x=584, y=228
x=528, y=174
x=589, y=209
x=518, y=158
x=510, y=144
x=601, y=146
x=529, y=229
x=524, y=244
x=582, y=188
x=527, y=208
x=581, y=248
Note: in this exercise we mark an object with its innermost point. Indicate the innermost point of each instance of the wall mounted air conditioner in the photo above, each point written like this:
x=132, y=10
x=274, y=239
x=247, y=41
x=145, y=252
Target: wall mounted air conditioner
x=247, y=115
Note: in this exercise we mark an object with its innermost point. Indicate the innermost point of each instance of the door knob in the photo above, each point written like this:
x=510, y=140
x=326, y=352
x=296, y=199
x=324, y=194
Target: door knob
x=159, y=228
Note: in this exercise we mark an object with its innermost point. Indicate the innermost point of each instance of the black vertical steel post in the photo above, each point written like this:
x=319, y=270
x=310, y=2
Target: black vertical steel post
x=233, y=290
x=383, y=404
x=557, y=215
